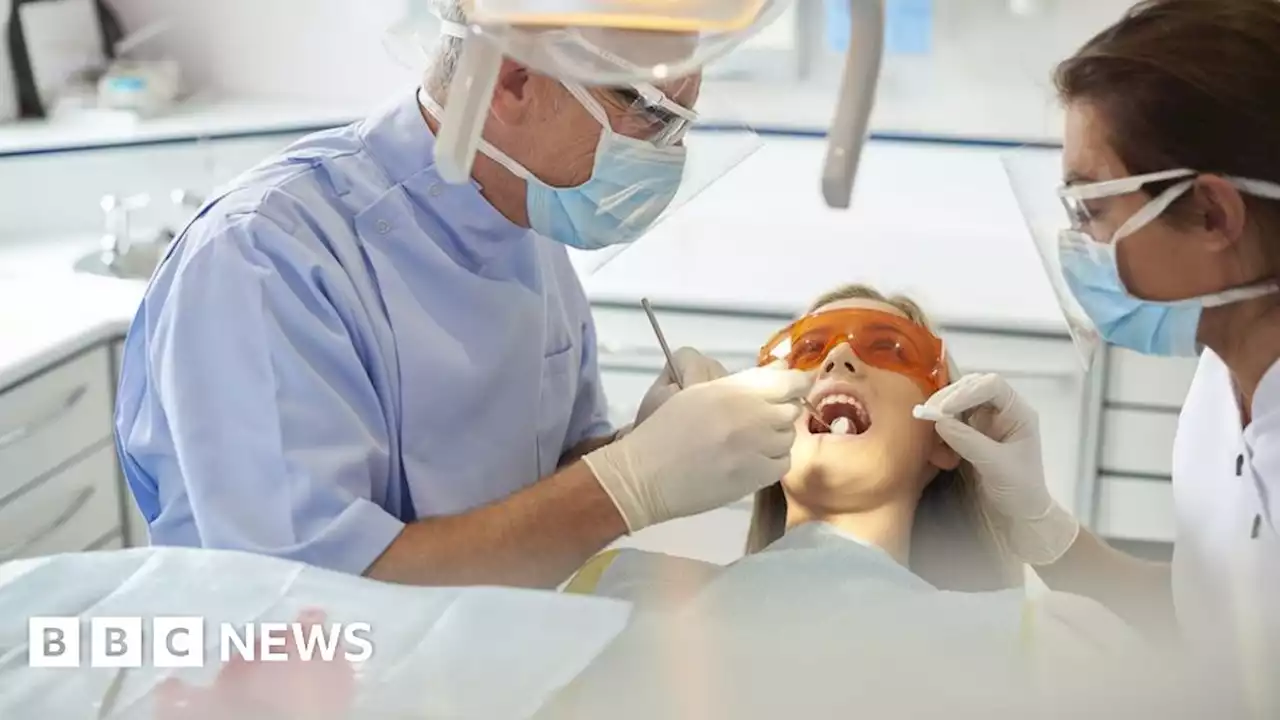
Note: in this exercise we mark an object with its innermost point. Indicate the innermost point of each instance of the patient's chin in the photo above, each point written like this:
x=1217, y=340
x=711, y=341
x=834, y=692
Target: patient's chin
x=834, y=489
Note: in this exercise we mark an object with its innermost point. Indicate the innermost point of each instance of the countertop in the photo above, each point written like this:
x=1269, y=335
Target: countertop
x=928, y=220
x=198, y=117
x=48, y=312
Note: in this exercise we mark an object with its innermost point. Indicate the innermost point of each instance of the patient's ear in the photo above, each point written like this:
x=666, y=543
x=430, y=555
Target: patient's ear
x=942, y=456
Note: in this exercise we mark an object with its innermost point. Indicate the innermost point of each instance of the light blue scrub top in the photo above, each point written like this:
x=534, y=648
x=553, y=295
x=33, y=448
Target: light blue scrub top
x=342, y=343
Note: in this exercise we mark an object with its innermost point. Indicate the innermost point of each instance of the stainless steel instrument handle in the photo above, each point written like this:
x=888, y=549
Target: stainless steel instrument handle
x=82, y=498
x=45, y=419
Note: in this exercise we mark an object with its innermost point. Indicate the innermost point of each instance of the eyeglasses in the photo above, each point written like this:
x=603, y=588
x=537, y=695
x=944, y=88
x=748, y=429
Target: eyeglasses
x=666, y=120
x=880, y=339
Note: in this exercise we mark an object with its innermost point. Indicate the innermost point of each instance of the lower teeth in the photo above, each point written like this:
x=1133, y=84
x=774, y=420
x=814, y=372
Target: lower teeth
x=841, y=426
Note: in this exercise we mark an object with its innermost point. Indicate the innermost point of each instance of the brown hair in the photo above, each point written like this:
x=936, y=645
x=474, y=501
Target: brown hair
x=1187, y=84
x=953, y=544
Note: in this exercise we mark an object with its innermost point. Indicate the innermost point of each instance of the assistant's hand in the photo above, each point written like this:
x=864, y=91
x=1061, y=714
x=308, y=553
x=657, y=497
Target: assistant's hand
x=1001, y=440
x=710, y=445
x=693, y=368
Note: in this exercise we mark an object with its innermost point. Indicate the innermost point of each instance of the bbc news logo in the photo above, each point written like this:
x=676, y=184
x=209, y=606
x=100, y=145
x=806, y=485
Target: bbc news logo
x=178, y=642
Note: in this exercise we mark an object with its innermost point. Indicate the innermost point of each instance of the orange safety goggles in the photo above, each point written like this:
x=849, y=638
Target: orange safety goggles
x=880, y=339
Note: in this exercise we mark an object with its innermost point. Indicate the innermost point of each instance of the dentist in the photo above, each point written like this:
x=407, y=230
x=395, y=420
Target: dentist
x=349, y=362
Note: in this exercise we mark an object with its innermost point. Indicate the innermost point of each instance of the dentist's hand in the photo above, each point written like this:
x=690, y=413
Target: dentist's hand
x=708, y=446
x=691, y=366
x=1001, y=440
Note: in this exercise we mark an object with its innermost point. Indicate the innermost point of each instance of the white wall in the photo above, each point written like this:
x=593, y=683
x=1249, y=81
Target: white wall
x=989, y=66
x=989, y=72
x=326, y=50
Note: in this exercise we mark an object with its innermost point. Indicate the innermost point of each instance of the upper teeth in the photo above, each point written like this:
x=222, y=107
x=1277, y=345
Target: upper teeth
x=842, y=399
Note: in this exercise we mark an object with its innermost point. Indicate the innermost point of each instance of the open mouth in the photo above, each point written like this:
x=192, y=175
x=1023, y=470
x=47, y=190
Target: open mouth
x=844, y=414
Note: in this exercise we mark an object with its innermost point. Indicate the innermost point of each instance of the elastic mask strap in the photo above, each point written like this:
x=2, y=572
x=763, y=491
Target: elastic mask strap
x=1152, y=210
x=1236, y=295
x=1257, y=188
x=589, y=103
x=1262, y=189
x=435, y=110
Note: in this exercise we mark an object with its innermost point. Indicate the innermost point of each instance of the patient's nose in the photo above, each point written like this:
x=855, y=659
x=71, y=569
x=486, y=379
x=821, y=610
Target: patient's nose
x=842, y=360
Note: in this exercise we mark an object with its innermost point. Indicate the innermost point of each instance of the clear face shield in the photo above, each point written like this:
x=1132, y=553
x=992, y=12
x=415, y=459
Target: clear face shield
x=1077, y=240
x=638, y=49
x=1035, y=177
x=663, y=139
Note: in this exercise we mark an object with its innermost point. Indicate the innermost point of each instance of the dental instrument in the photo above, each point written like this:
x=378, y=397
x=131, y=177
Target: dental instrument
x=662, y=341
x=675, y=373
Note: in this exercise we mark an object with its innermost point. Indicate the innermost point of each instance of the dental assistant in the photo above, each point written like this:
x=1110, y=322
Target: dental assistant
x=1172, y=181
x=348, y=362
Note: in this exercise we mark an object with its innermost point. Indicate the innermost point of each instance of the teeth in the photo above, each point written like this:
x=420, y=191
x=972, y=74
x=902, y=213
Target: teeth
x=842, y=399
x=841, y=426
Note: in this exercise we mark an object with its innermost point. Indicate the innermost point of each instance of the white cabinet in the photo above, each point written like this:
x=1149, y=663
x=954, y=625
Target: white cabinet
x=1136, y=427
x=47, y=420
x=76, y=509
x=59, y=489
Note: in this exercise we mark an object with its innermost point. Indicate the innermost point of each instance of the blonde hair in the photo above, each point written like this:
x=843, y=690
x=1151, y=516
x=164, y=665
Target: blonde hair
x=954, y=545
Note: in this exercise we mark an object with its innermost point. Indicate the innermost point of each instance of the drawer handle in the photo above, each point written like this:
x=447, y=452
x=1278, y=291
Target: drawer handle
x=81, y=500
x=53, y=415
x=1064, y=376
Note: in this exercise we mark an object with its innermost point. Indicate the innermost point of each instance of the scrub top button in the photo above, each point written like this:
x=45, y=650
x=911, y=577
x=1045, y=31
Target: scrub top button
x=384, y=227
x=435, y=190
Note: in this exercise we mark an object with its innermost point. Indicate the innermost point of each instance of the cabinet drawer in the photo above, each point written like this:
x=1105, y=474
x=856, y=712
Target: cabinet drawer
x=717, y=537
x=52, y=417
x=1134, y=379
x=1136, y=509
x=67, y=512
x=1138, y=442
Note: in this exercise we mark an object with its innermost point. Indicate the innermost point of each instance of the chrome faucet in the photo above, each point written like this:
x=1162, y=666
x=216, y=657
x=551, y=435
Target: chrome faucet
x=118, y=236
x=189, y=203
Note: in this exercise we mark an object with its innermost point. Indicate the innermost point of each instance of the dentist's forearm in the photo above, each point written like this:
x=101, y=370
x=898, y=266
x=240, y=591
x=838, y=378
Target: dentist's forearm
x=536, y=538
x=586, y=448
x=1137, y=590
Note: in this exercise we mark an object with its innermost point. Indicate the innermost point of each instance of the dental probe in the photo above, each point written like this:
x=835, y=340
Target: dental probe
x=675, y=374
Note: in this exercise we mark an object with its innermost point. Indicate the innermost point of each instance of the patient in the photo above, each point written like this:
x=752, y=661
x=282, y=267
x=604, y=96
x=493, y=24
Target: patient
x=871, y=571
x=878, y=474
x=867, y=470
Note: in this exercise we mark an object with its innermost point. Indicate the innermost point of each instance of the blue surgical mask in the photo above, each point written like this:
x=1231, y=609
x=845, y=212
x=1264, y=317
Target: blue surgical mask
x=632, y=182
x=1092, y=273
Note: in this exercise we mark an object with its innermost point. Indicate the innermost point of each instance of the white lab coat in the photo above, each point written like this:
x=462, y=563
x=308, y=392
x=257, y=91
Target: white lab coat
x=1226, y=566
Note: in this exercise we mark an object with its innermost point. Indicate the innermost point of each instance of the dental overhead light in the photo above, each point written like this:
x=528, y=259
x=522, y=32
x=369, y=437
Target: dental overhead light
x=622, y=42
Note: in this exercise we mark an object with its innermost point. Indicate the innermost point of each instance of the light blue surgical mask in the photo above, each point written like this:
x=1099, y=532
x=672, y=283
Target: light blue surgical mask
x=1091, y=271
x=632, y=183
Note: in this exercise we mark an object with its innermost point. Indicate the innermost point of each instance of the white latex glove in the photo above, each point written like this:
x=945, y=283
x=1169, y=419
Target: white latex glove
x=1001, y=440
x=709, y=445
x=693, y=367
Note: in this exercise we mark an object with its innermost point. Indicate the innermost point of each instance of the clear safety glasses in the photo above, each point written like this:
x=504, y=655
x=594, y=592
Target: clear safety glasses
x=880, y=339
x=662, y=121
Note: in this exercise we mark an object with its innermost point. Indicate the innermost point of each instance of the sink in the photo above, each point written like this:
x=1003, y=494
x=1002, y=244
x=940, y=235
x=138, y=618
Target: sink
x=138, y=262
